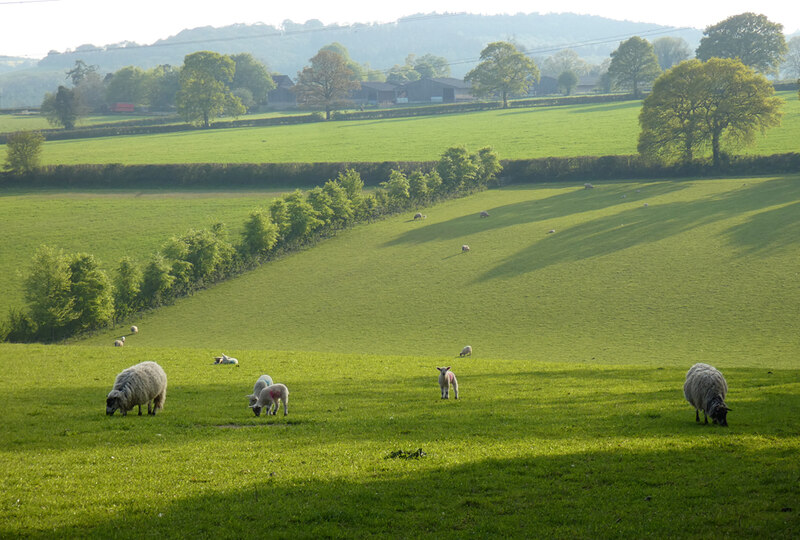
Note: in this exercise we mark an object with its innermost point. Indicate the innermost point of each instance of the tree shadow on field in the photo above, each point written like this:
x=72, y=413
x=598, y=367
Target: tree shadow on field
x=639, y=225
x=620, y=491
x=556, y=206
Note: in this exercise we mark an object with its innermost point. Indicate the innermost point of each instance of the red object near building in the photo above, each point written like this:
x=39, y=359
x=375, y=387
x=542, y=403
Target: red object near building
x=123, y=107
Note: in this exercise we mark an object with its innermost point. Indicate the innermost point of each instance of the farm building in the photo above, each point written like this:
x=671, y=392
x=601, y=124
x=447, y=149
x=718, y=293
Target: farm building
x=545, y=87
x=376, y=93
x=439, y=90
x=282, y=96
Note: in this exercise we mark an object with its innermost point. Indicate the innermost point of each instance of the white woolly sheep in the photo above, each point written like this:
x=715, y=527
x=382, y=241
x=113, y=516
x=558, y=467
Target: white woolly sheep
x=119, y=342
x=551, y=231
x=484, y=214
x=705, y=389
x=134, y=329
x=144, y=383
x=446, y=379
x=261, y=383
x=466, y=351
x=588, y=186
x=225, y=360
x=464, y=248
x=270, y=397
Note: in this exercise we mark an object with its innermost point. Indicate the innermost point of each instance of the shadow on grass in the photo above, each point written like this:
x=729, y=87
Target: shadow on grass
x=715, y=485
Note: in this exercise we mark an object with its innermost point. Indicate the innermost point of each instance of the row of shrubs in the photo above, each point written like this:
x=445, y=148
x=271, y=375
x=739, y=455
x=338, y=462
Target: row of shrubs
x=283, y=175
x=67, y=294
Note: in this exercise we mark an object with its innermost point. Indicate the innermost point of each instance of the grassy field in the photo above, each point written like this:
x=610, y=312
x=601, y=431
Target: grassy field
x=107, y=224
x=531, y=449
x=706, y=271
x=594, y=129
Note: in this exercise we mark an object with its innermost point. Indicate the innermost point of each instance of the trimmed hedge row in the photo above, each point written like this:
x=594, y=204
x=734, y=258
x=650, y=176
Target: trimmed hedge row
x=292, y=175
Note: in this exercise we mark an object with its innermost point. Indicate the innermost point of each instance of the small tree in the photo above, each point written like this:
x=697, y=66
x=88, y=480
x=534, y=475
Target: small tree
x=418, y=189
x=341, y=205
x=633, y=63
x=504, y=71
x=156, y=282
x=326, y=84
x=456, y=169
x=303, y=218
x=61, y=108
x=260, y=234
x=127, y=288
x=397, y=190
x=48, y=293
x=567, y=82
x=23, y=150
x=90, y=288
x=204, y=93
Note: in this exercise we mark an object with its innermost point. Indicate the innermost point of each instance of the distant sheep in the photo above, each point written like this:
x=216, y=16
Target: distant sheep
x=270, y=397
x=551, y=231
x=447, y=379
x=144, y=383
x=705, y=389
x=466, y=351
x=464, y=248
x=484, y=214
x=588, y=186
x=261, y=383
x=119, y=342
x=418, y=216
x=134, y=329
x=225, y=360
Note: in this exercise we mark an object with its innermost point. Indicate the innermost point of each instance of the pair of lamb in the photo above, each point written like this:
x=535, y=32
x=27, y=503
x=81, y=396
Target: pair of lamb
x=266, y=393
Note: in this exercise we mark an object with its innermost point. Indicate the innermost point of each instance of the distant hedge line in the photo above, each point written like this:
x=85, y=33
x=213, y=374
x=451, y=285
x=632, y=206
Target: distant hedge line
x=292, y=175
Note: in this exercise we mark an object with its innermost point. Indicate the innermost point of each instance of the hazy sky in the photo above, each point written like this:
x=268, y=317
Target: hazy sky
x=33, y=27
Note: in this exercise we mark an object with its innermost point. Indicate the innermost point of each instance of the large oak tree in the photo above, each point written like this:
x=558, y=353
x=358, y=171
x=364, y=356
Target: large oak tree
x=326, y=84
x=751, y=38
x=633, y=64
x=503, y=71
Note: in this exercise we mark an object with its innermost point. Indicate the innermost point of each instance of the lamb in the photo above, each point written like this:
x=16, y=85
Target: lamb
x=134, y=329
x=224, y=359
x=705, y=389
x=143, y=383
x=270, y=396
x=466, y=351
x=446, y=379
x=464, y=248
x=484, y=214
x=261, y=383
x=418, y=215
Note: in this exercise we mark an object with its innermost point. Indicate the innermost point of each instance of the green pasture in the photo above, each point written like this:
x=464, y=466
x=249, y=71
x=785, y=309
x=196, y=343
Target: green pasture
x=532, y=449
x=107, y=224
x=575, y=130
x=706, y=271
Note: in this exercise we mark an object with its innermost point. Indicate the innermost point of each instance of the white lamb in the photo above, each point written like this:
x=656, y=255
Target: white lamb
x=224, y=359
x=134, y=329
x=464, y=248
x=270, y=397
x=119, y=342
x=446, y=379
x=466, y=351
x=705, y=389
x=261, y=383
x=144, y=383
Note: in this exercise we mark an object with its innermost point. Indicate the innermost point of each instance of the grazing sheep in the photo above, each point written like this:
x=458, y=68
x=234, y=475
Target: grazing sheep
x=270, y=396
x=466, y=351
x=484, y=214
x=588, y=186
x=446, y=379
x=551, y=231
x=134, y=329
x=261, y=383
x=119, y=342
x=464, y=248
x=705, y=389
x=645, y=205
x=138, y=385
x=418, y=216
x=225, y=360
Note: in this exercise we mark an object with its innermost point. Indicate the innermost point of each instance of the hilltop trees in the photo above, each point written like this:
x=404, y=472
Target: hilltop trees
x=503, y=71
x=416, y=68
x=205, y=92
x=326, y=83
x=751, y=38
x=700, y=104
x=633, y=63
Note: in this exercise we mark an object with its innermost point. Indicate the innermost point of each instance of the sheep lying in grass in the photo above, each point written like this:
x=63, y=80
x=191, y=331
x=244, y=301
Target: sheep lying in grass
x=484, y=214
x=225, y=360
x=705, y=389
x=144, y=383
x=464, y=248
x=446, y=379
x=261, y=383
x=466, y=351
x=134, y=329
x=270, y=397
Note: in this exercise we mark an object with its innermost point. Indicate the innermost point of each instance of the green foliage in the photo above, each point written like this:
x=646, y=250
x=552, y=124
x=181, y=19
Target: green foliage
x=671, y=51
x=303, y=218
x=339, y=202
x=91, y=290
x=567, y=82
x=260, y=234
x=61, y=108
x=205, y=93
x=456, y=169
x=48, y=294
x=163, y=84
x=503, y=71
x=157, y=282
x=23, y=151
x=750, y=37
x=633, y=64
x=427, y=66
x=127, y=85
x=127, y=288
x=326, y=84
x=698, y=104
x=397, y=190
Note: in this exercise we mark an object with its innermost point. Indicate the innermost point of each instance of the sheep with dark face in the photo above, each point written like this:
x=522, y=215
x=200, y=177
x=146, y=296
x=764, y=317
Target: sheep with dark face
x=144, y=383
x=705, y=389
x=466, y=351
x=484, y=214
x=261, y=383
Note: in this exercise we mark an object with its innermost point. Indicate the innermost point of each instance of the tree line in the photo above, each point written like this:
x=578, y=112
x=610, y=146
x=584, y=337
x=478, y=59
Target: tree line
x=67, y=294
